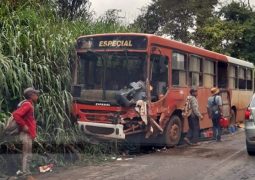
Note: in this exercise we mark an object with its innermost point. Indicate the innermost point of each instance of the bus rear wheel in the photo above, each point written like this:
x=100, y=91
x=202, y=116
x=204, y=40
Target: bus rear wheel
x=173, y=131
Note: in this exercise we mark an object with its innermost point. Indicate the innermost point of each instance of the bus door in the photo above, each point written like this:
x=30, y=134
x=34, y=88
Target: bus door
x=159, y=80
x=222, y=80
x=226, y=103
x=222, y=74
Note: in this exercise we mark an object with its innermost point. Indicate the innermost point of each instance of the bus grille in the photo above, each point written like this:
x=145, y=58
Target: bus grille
x=100, y=130
x=100, y=116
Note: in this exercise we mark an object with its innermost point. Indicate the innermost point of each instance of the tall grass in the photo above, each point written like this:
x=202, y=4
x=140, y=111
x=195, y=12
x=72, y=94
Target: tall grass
x=36, y=49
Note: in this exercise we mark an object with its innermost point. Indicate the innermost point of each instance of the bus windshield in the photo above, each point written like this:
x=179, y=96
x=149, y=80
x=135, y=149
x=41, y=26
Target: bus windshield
x=111, y=70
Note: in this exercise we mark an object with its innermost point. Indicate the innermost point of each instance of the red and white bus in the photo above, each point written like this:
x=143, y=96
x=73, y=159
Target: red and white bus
x=108, y=63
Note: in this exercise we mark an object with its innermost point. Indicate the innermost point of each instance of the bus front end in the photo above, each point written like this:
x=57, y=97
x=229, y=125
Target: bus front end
x=106, y=67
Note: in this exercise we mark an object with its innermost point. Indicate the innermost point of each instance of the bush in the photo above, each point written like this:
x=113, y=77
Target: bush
x=37, y=49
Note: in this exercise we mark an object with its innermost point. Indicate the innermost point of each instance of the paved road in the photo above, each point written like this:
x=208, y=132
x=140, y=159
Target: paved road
x=227, y=160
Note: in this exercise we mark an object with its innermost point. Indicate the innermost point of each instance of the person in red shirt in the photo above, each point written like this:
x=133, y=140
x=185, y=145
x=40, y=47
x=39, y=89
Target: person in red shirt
x=24, y=117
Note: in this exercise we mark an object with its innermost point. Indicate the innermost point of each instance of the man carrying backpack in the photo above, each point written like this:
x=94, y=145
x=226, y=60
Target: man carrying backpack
x=214, y=109
x=25, y=119
x=193, y=119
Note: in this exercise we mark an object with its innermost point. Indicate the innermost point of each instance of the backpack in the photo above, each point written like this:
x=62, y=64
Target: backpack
x=186, y=110
x=215, y=110
x=11, y=127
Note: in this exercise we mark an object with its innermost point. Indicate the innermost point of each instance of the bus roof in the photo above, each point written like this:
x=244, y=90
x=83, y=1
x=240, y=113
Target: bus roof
x=240, y=62
x=183, y=47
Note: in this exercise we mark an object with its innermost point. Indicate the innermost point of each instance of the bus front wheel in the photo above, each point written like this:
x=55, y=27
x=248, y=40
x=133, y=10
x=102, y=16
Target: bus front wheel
x=173, y=131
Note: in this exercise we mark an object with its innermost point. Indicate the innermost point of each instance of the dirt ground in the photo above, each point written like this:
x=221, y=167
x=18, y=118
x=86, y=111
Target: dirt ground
x=209, y=161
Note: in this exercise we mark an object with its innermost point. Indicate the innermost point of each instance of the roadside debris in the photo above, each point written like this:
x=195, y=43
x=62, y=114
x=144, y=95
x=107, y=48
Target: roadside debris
x=164, y=149
x=19, y=172
x=207, y=133
x=46, y=168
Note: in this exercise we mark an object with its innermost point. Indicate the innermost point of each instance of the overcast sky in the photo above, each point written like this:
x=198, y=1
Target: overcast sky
x=130, y=8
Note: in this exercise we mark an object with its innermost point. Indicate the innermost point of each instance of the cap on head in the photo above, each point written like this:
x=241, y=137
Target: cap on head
x=215, y=91
x=192, y=90
x=28, y=92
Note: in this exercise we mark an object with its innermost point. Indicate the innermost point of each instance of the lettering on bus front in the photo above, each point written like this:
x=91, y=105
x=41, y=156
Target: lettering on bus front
x=115, y=44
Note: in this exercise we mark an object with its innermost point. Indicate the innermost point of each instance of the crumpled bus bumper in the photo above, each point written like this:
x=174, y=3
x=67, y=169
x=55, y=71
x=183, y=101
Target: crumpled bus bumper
x=101, y=130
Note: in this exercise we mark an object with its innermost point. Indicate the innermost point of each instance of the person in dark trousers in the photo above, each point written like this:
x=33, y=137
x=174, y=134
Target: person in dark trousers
x=24, y=117
x=193, y=119
x=214, y=109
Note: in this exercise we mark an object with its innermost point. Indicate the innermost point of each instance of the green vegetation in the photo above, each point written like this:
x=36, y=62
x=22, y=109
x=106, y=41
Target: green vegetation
x=175, y=17
x=231, y=31
x=37, y=48
x=224, y=28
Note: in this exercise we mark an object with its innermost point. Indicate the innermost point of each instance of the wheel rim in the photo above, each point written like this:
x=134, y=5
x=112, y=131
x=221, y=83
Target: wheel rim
x=174, y=132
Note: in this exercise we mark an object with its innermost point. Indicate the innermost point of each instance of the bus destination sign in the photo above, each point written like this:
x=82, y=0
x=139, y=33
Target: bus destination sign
x=113, y=42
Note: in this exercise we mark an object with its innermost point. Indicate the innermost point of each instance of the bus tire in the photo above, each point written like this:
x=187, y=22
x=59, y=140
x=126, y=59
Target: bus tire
x=173, y=131
x=232, y=117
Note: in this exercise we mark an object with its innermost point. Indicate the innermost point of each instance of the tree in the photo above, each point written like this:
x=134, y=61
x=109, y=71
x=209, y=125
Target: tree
x=176, y=18
x=111, y=16
x=217, y=35
x=73, y=9
x=230, y=31
x=150, y=20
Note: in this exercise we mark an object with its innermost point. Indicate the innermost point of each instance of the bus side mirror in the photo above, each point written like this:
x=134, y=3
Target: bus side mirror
x=76, y=90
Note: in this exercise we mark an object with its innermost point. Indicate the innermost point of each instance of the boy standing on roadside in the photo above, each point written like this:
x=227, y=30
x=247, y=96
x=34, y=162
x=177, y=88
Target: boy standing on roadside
x=24, y=117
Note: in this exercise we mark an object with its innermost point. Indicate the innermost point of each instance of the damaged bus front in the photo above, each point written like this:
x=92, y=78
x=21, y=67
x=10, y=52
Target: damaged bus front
x=110, y=85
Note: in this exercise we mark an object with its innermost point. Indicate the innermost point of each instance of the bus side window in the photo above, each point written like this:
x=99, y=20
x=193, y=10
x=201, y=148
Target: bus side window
x=209, y=73
x=241, y=78
x=249, y=79
x=178, y=69
x=232, y=77
x=195, y=77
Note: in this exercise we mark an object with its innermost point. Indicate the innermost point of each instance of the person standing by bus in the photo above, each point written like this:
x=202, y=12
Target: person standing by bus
x=193, y=119
x=214, y=109
x=24, y=117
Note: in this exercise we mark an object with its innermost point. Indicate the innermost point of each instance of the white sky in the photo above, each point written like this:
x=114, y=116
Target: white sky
x=130, y=8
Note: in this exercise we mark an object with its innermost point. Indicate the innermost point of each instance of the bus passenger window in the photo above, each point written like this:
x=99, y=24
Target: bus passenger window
x=249, y=79
x=195, y=79
x=232, y=77
x=241, y=77
x=209, y=73
x=178, y=69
